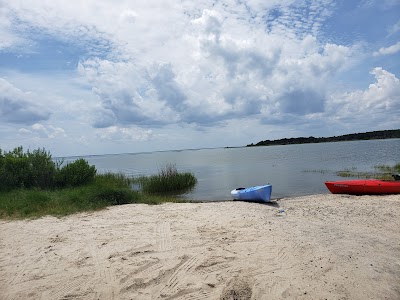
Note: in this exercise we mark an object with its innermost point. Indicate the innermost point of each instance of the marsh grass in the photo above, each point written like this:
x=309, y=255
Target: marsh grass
x=383, y=172
x=106, y=190
x=168, y=181
x=317, y=171
x=388, y=169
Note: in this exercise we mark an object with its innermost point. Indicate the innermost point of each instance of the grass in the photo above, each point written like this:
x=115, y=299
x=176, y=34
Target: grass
x=317, y=171
x=383, y=172
x=106, y=190
x=167, y=181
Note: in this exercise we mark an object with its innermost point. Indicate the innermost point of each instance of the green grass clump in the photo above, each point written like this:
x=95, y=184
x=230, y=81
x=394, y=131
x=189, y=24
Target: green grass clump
x=383, y=172
x=113, y=189
x=317, y=171
x=168, y=180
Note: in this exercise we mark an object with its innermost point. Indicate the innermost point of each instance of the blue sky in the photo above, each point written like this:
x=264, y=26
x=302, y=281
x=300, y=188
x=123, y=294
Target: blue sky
x=97, y=77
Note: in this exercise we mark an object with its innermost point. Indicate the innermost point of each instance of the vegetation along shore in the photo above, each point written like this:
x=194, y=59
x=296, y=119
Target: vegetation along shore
x=372, y=135
x=32, y=184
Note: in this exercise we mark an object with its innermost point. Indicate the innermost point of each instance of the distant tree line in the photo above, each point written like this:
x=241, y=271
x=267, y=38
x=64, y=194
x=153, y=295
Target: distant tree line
x=373, y=135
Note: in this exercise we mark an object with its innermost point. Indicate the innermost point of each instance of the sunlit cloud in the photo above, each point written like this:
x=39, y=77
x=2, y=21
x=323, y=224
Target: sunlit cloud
x=388, y=50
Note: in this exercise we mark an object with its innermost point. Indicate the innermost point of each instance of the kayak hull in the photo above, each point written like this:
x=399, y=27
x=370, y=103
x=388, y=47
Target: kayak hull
x=261, y=193
x=364, y=187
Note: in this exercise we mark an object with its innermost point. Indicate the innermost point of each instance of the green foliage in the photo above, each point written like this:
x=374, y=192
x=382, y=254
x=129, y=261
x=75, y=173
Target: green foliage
x=36, y=169
x=42, y=169
x=76, y=173
x=33, y=185
x=168, y=180
x=30, y=169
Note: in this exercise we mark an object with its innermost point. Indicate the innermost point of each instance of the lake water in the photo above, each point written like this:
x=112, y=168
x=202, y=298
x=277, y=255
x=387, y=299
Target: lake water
x=293, y=170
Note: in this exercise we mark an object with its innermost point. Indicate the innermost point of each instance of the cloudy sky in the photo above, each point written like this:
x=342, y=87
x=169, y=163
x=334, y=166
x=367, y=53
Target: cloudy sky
x=110, y=76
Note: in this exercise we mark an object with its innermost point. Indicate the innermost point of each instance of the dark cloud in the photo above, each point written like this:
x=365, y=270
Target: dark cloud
x=105, y=118
x=244, y=101
x=147, y=102
x=18, y=107
x=302, y=102
x=167, y=88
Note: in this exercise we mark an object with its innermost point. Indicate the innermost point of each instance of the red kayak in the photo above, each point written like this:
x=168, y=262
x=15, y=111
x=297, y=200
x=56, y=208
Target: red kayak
x=364, y=187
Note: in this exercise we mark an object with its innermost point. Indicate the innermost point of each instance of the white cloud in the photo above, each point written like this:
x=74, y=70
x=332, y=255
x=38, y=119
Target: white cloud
x=42, y=131
x=129, y=16
x=380, y=103
x=227, y=75
x=394, y=29
x=385, y=4
x=124, y=134
x=389, y=50
x=7, y=38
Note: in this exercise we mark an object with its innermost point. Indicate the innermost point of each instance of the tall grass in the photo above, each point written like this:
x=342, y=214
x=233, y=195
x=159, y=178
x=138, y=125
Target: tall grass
x=168, y=180
x=104, y=191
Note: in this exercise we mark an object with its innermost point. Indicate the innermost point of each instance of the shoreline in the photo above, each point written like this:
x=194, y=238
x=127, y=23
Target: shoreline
x=310, y=247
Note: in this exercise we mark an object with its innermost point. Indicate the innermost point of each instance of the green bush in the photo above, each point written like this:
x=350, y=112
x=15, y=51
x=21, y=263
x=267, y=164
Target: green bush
x=36, y=169
x=26, y=170
x=76, y=173
x=42, y=169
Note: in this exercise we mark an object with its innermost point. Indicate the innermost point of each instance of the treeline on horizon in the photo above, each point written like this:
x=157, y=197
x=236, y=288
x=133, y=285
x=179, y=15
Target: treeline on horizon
x=372, y=135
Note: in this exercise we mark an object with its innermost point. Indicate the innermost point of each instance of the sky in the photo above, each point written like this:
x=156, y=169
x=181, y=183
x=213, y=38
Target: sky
x=111, y=76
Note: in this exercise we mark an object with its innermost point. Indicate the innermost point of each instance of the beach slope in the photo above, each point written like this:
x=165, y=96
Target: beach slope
x=312, y=247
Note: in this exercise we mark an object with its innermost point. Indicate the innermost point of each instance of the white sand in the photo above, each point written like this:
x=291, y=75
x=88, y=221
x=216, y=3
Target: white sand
x=320, y=247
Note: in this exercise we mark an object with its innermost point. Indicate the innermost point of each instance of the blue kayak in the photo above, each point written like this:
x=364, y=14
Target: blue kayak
x=254, y=193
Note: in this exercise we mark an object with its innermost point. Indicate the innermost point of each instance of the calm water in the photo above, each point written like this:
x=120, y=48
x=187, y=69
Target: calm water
x=293, y=170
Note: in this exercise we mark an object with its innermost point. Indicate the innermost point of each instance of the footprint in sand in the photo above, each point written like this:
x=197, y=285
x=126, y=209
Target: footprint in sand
x=237, y=289
x=163, y=231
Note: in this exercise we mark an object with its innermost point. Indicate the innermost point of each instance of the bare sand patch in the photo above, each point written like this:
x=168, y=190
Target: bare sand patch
x=313, y=247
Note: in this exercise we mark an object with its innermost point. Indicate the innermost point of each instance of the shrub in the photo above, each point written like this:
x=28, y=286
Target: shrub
x=14, y=167
x=76, y=173
x=42, y=169
x=30, y=169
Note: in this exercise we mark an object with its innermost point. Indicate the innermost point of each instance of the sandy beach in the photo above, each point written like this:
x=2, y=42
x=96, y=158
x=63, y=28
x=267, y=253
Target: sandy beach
x=312, y=247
